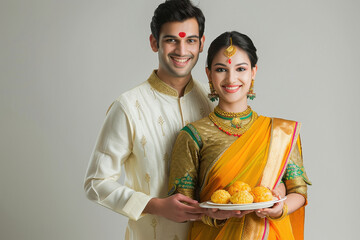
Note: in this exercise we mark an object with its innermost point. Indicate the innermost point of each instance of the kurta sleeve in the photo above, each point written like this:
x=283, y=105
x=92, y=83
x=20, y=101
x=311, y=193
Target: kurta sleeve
x=112, y=149
x=295, y=177
x=184, y=164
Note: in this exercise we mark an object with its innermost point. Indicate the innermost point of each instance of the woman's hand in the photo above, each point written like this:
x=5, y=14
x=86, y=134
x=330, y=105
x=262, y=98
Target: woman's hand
x=225, y=214
x=273, y=212
x=276, y=210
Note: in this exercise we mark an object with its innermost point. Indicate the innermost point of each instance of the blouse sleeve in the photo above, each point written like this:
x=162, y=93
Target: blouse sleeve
x=184, y=165
x=295, y=177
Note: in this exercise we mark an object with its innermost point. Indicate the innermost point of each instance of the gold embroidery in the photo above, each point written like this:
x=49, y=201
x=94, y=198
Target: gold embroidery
x=161, y=122
x=154, y=224
x=162, y=87
x=138, y=106
x=143, y=143
x=147, y=180
x=189, y=86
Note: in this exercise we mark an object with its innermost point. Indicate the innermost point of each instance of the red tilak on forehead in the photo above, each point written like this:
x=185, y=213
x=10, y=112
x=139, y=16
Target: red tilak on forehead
x=182, y=34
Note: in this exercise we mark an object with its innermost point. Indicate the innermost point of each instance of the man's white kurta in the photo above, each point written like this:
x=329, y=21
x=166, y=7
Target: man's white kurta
x=138, y=134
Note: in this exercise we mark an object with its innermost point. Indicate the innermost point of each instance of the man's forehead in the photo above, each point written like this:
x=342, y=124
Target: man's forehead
x=189, y=27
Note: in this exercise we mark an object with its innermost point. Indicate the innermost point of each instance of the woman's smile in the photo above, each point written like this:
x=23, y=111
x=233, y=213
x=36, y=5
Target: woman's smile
x=231, y=88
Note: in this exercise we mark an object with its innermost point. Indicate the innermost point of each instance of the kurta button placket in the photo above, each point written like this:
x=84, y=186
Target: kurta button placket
x=180, y=101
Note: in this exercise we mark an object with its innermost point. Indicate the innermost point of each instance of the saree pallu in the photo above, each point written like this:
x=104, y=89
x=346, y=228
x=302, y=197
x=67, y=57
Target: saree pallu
x=259, y=157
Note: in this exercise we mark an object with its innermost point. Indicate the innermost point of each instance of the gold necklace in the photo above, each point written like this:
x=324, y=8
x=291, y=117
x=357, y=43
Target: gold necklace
x=226, y=115
x=235, y=124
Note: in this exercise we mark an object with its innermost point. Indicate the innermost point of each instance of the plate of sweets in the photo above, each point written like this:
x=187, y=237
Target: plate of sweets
x=240, y=196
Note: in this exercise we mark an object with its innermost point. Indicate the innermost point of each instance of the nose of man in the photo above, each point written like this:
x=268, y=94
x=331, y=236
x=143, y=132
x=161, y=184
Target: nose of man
x=181, y=48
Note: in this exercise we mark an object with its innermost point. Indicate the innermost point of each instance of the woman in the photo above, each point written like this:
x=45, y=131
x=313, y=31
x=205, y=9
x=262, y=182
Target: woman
x=235, y=143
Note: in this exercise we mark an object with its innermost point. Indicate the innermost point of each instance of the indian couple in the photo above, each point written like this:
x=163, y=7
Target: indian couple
x=179, y=141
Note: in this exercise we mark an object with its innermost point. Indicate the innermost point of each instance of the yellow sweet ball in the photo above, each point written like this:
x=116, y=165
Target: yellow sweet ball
x=238, y=186
x=262, y=194
x=242, y=197
x=220, y=196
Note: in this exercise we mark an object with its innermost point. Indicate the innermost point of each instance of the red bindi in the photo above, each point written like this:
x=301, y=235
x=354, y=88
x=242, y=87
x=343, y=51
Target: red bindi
x=182, y=34
x=229, y=61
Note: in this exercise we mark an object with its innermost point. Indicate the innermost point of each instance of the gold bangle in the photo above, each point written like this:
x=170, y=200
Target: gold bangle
x=283, y=215
x=212, y=222
x=207, y=220
x=220, y=224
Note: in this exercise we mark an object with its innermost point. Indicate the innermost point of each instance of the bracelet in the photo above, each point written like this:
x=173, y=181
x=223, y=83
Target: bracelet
x=220, y=223
x=283, y=215
x=207, y=220
x=213, y=222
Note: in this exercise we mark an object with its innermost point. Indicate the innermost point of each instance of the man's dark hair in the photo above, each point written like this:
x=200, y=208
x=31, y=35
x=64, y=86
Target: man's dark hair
x=175, y=11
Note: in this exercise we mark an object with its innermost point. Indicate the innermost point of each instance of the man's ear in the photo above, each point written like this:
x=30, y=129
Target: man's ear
x=153, y=43
x=202, y=41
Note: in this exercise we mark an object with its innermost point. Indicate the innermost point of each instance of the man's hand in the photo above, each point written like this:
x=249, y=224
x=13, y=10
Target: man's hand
x=177, y=208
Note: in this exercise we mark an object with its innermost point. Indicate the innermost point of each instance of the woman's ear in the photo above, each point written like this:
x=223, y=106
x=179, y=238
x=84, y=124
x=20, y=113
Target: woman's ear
x=208, y=73
x=253, y=71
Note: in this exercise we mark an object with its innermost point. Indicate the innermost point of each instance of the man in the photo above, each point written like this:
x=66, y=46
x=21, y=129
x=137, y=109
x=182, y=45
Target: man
x=141, y=126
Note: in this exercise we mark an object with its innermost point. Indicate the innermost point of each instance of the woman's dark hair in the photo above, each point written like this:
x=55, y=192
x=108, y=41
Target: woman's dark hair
x=238, y=39
x=175, y=11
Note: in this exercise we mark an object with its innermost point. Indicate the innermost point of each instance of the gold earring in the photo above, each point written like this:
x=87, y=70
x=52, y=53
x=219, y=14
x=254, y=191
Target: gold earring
x=213, y=96
x=251, y=93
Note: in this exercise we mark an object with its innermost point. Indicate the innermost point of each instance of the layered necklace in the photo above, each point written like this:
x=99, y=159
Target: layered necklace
x=235, y=124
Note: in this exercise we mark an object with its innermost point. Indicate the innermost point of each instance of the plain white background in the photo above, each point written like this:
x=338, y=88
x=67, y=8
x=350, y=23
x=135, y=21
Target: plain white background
x=62, y=63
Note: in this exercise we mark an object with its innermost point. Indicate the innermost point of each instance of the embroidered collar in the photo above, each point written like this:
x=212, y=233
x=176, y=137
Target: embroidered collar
x=162, y=87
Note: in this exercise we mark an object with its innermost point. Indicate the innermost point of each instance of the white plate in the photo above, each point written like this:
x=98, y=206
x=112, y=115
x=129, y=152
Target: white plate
x=249, y=206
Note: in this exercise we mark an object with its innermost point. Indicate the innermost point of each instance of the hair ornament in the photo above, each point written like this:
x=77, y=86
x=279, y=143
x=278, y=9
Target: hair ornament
x=230, y=51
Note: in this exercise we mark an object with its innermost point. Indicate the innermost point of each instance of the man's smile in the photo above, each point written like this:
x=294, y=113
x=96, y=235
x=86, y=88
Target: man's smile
x=180, y=61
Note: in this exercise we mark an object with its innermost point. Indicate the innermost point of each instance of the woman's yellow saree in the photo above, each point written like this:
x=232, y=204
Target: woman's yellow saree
x=259, y=157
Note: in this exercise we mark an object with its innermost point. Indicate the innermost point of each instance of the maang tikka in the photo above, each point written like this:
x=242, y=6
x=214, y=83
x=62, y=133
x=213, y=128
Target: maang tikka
x=230, y=51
